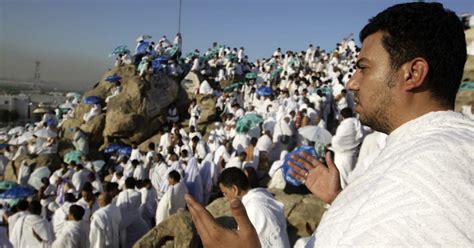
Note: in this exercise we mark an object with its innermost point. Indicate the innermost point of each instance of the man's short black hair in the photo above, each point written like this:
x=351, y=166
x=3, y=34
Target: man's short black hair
x=429, y=31
x=22, y=205
x=174, y=175
x=151, y=146
x=130, y=183
x=110, y=186
x=35, y=207
x=76, y=211
x=347, y=113
x=234, y=176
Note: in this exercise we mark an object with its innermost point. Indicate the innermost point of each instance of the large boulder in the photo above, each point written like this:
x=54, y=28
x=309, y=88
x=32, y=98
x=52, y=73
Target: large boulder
x=52, y=161
x=176, y=231
x=93, y=129
x=138, y=112
x=190, y=84
x=207, y=103
x=132, y=116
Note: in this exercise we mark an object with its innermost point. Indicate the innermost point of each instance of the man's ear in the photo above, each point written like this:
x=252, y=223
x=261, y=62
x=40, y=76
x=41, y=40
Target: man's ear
x=235, y=190
x=415, y=73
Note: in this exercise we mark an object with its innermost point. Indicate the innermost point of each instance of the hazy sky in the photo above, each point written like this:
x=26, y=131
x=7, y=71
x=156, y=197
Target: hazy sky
x=73, y=38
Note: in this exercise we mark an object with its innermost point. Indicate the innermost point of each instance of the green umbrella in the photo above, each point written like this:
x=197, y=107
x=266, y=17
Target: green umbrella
x=72, y=156
x=251, y=75
x=173, y=50
x=276, y=72
x=232, y=87
x=247, y=122
x=192, y=54
x=466, y=86
x=5, y=185
x=231, y=56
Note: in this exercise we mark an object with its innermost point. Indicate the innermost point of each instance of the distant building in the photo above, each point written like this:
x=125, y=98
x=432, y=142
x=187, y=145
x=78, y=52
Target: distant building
x=24, y=104
x=17, y=103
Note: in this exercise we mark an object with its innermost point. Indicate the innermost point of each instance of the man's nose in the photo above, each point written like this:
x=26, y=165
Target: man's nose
x=353, y=83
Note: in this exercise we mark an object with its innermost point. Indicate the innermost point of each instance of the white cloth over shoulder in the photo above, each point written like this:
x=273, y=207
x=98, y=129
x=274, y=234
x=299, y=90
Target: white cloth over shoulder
x=72, y=234
x=22, y=234
x=105, y=227
x=171, y=201
x=345, y=144
x=417, y=192
x=129, y=201
x=267, y=216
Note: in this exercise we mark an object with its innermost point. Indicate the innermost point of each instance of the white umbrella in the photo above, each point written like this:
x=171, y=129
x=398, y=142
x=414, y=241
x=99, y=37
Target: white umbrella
x=15, y=142
x=143, y=37
x=35, y=177
x=22, y=139
x=66, y=105
x=45, y=133
x=73, y=95
x=16, y=130
x=316, y=134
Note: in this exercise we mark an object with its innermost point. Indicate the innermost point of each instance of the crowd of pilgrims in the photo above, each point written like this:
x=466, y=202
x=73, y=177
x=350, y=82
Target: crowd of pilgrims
x=115, y=206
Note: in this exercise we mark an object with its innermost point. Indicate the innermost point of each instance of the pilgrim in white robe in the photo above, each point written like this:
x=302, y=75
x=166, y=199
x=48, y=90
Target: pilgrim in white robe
x=158, y=177
x=371, y=147
x=105, y=227
x=276, y=173
x=24, y=173
x=240, y=142
x=59, y=218
x=79, y=178
x=148, y=205
x=417, y=192
x=12, y=220
x=129, y=201
x=22, y=234
x=205, y=88
x=345, y=144
x=95, y=111
x=206, y=170
x=267, y=217
x=171, y=201
x=72, y=235
x=192, y=178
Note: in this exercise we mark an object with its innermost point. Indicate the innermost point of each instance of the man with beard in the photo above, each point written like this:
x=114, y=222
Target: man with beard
x=418, y=190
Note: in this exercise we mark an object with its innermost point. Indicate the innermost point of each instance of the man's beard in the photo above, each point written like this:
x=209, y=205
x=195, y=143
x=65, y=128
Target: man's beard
x=380, y=118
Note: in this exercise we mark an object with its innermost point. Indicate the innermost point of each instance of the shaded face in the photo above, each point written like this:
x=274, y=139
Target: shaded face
x=171, y=181
x=373, y=85
x=86, y=195
x=229, y=193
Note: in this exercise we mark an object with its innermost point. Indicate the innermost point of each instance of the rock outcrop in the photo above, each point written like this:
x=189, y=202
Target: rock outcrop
x=132, y=116
x=176, y=231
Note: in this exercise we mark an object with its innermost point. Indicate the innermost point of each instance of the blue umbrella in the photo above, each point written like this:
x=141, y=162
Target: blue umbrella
x=159, y=63
x=113, y=147
x=143, y=48
x=17, y=192
x=113, y=78
x=92, y=100
x=287, y=169
x=264, y=91
x=126, y=151
x=120, y=50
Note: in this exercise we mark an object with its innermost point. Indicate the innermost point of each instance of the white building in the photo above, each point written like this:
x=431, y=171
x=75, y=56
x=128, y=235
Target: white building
x=18, y=103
